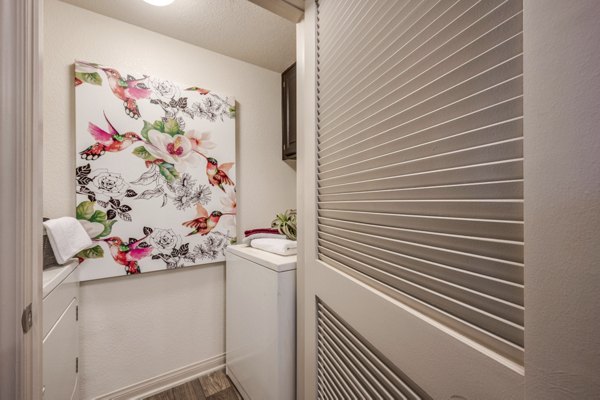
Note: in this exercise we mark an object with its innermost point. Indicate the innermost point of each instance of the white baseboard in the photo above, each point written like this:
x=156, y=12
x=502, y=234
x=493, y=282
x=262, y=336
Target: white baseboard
x=167, y=380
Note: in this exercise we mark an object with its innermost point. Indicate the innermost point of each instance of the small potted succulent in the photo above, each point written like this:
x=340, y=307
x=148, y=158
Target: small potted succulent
x=285, y=223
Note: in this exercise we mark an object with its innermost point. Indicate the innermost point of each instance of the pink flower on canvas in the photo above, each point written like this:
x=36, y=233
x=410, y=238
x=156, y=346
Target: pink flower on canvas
x=200, y=141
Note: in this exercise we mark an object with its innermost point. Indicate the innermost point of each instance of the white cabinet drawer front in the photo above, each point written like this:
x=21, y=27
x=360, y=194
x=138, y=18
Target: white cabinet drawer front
x=61, y=349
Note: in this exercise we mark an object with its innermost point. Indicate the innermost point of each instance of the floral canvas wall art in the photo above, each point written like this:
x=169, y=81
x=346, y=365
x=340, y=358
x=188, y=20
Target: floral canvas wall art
x=155, y=172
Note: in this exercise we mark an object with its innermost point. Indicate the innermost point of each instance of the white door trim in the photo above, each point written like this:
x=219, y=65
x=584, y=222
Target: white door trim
x=306, y=198
x=21, y=188
x=562, y=193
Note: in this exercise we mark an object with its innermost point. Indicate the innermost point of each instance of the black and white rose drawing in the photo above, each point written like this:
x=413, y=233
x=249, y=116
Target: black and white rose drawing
x=109, y=184
x=164, y=240
x=164, y=89
x=107, y=189
x=175, y=257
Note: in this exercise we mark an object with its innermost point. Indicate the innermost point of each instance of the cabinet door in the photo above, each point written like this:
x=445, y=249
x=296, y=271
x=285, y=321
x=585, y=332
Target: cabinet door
x=288, y=102
x=61, y=350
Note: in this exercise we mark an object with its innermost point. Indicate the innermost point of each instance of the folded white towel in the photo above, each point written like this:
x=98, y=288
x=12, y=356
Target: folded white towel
x=250, y=238
x=67, y=237
x=282, y=247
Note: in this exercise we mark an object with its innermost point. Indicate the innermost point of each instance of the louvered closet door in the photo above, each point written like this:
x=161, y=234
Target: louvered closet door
x=418, y=269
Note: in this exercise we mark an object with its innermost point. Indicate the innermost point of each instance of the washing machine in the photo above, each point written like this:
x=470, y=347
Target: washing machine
x=260, y=329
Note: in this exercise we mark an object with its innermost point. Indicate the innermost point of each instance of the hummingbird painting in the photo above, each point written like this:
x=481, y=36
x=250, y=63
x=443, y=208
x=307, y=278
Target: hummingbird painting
x=217, y=174
x=128, y=254
x=129, y=90
x=204, y=223
x=111, y=141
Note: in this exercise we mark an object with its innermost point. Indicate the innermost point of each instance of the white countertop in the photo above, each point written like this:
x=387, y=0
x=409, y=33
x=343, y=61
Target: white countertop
x=270, y=260
x=54, y=275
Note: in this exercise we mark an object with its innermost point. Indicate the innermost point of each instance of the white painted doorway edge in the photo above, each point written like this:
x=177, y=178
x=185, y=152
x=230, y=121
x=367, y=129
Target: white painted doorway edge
x=306, y=190
x=21, y=194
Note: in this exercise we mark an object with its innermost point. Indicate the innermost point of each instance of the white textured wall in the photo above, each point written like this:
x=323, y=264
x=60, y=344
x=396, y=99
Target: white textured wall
x=138, y=327
x=141, y=326
x=562, y=199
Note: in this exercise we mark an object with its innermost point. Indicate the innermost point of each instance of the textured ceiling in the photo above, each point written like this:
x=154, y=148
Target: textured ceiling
x=236, y=28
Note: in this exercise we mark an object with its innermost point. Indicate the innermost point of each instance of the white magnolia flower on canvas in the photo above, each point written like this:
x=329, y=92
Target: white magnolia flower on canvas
x=229, y=202
x=177, y=150
x=229, y=206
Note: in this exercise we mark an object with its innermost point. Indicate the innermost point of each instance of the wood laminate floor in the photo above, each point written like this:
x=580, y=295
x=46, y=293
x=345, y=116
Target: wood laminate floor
x=214, y=386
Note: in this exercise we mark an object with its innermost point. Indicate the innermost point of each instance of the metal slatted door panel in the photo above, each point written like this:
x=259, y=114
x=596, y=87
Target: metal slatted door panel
x=351, y=365
x=420, y=172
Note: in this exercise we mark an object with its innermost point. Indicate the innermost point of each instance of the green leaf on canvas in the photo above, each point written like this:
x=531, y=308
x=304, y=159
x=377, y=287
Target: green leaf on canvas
x=98, y=216
x=144, y=154
x=172, y=127
x=93, y=78
x=159, y=125
x=168, y=171
x=85, y=210
x=107, y=228
x=147, y=127
x=93, y=252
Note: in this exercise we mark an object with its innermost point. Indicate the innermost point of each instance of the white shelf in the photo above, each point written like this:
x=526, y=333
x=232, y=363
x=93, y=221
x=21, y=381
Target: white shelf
x=53, y=276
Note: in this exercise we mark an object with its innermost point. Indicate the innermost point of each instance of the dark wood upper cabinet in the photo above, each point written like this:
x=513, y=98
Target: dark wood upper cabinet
x=288, y=113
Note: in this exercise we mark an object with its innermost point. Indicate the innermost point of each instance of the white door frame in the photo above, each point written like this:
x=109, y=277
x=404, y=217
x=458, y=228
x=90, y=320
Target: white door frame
x=306, y=190
x=21, y=194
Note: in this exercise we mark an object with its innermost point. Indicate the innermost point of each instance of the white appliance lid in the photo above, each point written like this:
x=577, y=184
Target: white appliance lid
x=269, y=260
